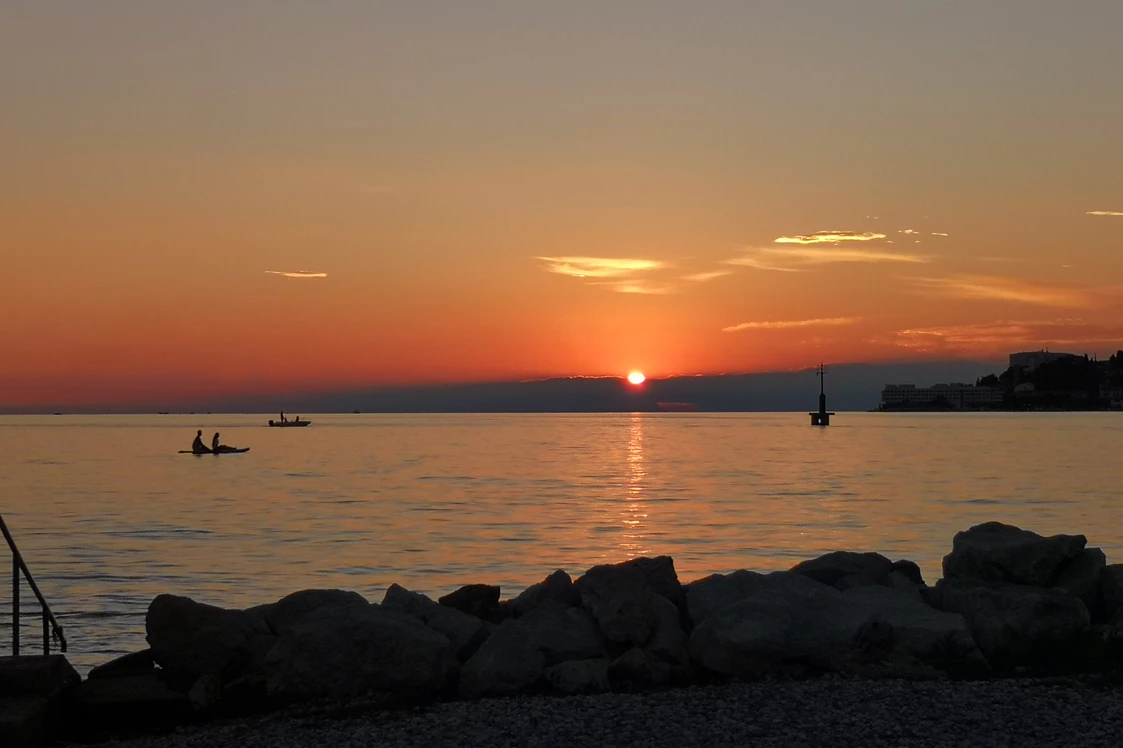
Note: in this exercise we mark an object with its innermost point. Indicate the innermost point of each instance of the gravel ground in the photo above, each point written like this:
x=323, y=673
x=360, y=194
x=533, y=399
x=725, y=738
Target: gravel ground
x=819, y=713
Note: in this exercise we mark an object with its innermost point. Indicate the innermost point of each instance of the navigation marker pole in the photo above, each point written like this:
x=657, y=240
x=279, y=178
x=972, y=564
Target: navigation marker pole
x=821, y=418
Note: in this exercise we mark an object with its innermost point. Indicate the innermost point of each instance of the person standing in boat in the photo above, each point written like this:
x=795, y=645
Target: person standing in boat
x=282, y=416
x=198, y=447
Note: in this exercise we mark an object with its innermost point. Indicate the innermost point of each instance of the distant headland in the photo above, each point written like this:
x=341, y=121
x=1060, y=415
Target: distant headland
x=1033, y=381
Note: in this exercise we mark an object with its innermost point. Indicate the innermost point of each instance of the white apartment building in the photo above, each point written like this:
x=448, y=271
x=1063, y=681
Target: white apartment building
x=1032, y=359
x=956, y=394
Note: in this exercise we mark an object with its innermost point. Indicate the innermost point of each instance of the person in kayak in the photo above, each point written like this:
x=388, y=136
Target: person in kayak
x=198, y=447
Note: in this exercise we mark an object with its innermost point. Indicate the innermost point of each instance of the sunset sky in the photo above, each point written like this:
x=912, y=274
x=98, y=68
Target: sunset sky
x=217, y=197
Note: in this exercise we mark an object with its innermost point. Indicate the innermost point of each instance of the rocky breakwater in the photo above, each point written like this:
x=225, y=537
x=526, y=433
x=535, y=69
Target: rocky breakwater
x=1010, y=601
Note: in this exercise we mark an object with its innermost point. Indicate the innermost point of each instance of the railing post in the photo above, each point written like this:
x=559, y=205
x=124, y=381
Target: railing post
x=46, y=634
x=15, y=603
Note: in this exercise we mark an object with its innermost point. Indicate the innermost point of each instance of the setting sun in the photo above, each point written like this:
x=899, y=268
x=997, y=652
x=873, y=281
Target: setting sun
x=636, y=377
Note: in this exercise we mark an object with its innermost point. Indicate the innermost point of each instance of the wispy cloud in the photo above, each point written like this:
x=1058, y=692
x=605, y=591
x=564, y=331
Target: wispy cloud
x=1105, y=213
x=703, y=277
x=819, y=255
x=297, y=273
x=908, y=231
x=1004, y=334
x=759, y=263
x=792, y=323
x=1004, y=289
x=830, y=237
x=938, y=233
x=637, y=287
x=598, y=267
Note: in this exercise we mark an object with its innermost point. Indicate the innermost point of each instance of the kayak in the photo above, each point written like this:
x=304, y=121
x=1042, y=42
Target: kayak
x=236, y=451
x=288, y=424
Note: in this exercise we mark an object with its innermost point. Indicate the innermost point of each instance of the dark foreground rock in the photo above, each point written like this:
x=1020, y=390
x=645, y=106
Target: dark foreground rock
x=1012, y=603
x=352, y=651
x=824, y=713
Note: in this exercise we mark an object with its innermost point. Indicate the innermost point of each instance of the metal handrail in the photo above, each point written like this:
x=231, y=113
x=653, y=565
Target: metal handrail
x=50, y=625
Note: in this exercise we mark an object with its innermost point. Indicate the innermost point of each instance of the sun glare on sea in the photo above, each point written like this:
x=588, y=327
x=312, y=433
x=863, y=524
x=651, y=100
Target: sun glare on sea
x=636, y=377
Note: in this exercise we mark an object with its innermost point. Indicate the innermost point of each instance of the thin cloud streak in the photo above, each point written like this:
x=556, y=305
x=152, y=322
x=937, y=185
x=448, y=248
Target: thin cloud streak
x=1105, y=213
x=819, y=255
x=1005, y=335
x=297, y=273
x=638, y=287
x=1004, y=289
x=798, y=259
x=794, y=323
x=829, y=237
x=749, y=261
x=703, y=277
x=598, y=267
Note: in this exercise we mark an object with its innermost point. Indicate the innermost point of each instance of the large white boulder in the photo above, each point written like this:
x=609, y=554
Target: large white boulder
x=190, y=639
x=282, y=615
x=1016, y=625
x=845, y=569
x=622, y=596
x=351, y=651
x=710, y=595
x=556, y=588
x=466, y=632
x=994, y=552
x=564, y=633
x=510, y=661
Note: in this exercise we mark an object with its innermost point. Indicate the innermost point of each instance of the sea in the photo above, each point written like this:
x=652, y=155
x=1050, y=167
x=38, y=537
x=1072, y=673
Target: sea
x=107, y=514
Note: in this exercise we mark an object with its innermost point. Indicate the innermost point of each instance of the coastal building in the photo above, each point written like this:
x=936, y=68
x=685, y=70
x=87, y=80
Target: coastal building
x=1112, y=395
x=1030, y=360
x=955, y=394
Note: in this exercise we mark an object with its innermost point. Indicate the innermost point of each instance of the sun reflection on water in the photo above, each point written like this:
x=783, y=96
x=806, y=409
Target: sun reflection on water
x=634, y=517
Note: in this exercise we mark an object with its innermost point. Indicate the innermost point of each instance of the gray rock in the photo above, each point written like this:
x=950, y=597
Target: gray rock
x=190, y=639
x=351, y=651
x=622, y=601
x=508, y=662
x=661, y=577
x=282, y=615
x=579, y=676
x=910, y=570
x=994, y=552
x=1080, y=577
x=129, y=703
x=466, y=632
x=478, y=600
x=564, y=633
x=904, y=583
x=411, y=603
x=781, y=622
x=638, y=668
x=36, y=675
x=134, y=663
x=1017, y=625
x=557, y=588
x=928, y=634
x=1111, y=591
x=856, y=569
x=668, y=642
x=710, y=595
x=206, y=693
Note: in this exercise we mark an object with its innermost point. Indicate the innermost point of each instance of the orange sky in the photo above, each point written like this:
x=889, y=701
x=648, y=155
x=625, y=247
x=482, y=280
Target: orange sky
x=512, y=192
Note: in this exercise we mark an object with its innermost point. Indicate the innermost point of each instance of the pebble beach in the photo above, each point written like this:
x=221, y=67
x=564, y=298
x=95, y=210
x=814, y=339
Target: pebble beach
x=822, y=713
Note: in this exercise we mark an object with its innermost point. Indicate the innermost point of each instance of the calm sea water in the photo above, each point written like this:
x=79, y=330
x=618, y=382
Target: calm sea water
x=108, y=515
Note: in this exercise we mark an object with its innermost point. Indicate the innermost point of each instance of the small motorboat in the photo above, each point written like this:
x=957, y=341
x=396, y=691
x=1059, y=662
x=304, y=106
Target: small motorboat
x=288, y=424
x=227, y=451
